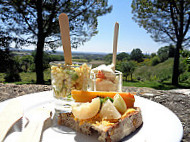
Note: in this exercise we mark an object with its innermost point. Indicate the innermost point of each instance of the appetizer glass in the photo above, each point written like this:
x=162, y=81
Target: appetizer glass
x=65, y=78
x=111, y=82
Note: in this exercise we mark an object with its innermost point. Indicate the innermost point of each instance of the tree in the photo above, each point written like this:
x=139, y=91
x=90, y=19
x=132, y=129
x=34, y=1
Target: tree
x=9, y=66
x=12, y=72
x=185, y=53
x=26, y=62
x=137, y=55
x=123, y=56
x=152, y=55
x=165, y=52
x=35, y=22
x=128, y=67
x=108, y=58
x=167, y=21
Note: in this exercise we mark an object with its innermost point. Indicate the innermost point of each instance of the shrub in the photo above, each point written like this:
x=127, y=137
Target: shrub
x=155, y=61
x=164, y=77
x=166, y=52
x=32, y=68
x=5, y=58
x=185, y=77
x=12, y=74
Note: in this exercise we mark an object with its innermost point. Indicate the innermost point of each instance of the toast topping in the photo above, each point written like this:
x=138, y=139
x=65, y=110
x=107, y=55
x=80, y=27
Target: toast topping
x=119, y=103
x=106, y=108
x=108, y=111
x=86, y=110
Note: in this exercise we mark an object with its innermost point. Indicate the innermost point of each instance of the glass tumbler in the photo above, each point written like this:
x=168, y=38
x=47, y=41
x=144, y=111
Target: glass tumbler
x=65, y=78
x=106, y=81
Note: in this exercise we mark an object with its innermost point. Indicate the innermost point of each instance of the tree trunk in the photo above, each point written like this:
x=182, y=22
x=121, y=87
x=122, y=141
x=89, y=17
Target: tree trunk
x=175, y=75
x=131, y=77
x=40, y=45
x=39, y=61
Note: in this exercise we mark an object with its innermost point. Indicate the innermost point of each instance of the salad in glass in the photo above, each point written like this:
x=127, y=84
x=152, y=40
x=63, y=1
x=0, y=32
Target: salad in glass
x=65, y=78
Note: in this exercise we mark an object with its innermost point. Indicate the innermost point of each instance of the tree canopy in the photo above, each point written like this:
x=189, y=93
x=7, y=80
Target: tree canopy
x=167, y=21
x=36, y=22
x=123, y=56
x=137, y=55
x=165, y=52
x=127, y=67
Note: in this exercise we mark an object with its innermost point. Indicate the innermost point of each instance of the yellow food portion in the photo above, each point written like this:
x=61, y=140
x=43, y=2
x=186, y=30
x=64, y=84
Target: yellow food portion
x=86, y=110
x=66, y=78
x=128, y=111
x=97, y=120
x=87, y=96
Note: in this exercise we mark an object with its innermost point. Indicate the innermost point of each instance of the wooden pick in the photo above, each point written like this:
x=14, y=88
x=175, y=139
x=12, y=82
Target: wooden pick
x=11, y=113
x=115, y=39
x=33, y=131
x=65, y=37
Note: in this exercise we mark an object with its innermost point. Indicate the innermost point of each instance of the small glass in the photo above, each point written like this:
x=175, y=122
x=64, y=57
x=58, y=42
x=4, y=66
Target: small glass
x=106, y=81
x=65, y=78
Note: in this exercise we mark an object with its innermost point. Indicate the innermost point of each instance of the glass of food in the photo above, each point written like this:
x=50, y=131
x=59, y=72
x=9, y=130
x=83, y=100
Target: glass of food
x=103, y=78
x=65, y=78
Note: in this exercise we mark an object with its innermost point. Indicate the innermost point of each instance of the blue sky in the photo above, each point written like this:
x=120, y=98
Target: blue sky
x=130, y=34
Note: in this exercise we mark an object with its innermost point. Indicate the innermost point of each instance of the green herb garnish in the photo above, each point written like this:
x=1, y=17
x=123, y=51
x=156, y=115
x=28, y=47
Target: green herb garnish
x=103, y=100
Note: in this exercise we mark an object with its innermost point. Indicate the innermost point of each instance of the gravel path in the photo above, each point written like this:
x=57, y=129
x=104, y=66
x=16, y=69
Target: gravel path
x=176, y=100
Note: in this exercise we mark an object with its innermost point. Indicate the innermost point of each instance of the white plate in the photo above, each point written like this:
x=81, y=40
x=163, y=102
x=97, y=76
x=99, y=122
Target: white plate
x=159, y=123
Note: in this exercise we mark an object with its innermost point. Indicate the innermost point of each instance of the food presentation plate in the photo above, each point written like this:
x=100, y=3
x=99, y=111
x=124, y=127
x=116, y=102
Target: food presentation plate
x=159, y=123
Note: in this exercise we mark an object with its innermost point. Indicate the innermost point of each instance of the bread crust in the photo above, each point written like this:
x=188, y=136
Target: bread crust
x=109, y=131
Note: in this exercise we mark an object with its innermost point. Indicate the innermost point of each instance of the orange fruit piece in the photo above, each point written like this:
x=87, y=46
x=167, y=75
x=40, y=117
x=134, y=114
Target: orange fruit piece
x=87, y=96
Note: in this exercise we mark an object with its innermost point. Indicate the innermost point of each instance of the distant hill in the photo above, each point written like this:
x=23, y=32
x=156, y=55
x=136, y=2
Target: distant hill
x=58, y=52
x=160, y=72
x=78, y=53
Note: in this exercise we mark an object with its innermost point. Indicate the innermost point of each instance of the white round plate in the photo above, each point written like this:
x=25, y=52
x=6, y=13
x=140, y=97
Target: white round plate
x=159, y=123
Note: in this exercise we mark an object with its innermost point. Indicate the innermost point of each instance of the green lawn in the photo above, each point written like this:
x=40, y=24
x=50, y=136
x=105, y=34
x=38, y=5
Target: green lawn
x=29, y=77
x=156, y=85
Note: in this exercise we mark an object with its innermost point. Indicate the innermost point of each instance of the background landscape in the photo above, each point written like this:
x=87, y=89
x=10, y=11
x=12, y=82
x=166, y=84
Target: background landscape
x=153, y=43
x=139, y=70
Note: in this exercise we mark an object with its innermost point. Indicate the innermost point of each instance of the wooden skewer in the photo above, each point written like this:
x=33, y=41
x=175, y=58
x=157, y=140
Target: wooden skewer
x=12, y=112
x=65, y=37
x=33, y=131
x=115, y=39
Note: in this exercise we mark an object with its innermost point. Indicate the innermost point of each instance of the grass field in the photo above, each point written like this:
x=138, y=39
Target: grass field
x=151, y=84
x=29, y=77
x=151, y=76
x=160, y=72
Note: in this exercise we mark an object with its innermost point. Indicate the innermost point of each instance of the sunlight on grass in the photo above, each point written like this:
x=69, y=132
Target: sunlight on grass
x=150, y=84
x=29, y=77
x=156, y=85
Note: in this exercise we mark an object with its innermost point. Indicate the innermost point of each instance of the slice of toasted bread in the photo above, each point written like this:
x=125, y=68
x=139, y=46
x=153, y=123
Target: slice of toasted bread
x=108, y=130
